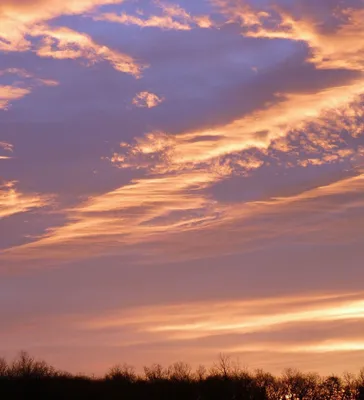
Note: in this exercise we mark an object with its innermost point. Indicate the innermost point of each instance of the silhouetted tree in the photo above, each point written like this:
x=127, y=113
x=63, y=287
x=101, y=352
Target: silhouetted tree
x=125, y=373
x=4, y=369
x=180, y=372
x=156, y=372
x=27, y=378
x=26, y=366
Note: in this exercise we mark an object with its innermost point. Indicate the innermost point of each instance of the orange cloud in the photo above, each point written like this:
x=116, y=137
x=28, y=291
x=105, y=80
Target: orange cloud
x=242, y=315
x=265, y=331
x=172, y=206
x=146, y=99
x=163, y=22
x=184, y=324
x=35, y=11
x=27, y=19
x=339, y=48
x=181, y=221
x=18, y=17
x=64, y=43
x=9, y=93
x=16, y=71
x=174, y=17
x=18, y=90
x=190, y=149
x=13, y=202
x=172, y=198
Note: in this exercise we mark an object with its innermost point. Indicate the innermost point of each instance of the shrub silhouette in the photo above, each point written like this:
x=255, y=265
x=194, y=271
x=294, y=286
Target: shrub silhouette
x=122, y=373
x=28, y=378
x=27, y=367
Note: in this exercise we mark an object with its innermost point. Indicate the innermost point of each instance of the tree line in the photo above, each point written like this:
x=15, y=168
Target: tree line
x=29, y=378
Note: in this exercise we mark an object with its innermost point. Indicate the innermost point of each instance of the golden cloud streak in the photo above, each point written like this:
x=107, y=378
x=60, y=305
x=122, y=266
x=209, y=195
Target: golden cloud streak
x=132, y=211
x=18, y=18
x=276, y=122
x=21, y=20
x=70, y=44
x=14, y=92
x=151, y=210
x=162, y=22
x=263, y=329
x=13, y=202
x=341, y=48
x=190, y=321
x=330, y=346
x=175, y=17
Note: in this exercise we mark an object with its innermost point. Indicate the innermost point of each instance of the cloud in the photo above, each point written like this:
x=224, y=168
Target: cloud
x=241, y=184
x=240, y=316
x=22, y=88
x=337, y=43
x=65, y=43
x=172, y=218
x=163, y=22
x=16, y=71
x=129, y=212
x=35, y=11
x=13, y=202
x=146, y=99
x=22, y=21
x=9, y=93
x=173, y=204
x=174, y=17
x=276, y=327
x=297, y=129
x=255, y=131
x=18, y=17
x=6, y=146
x=247, y=327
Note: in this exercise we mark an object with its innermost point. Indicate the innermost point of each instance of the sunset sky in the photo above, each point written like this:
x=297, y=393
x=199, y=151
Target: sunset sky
x=182, y=178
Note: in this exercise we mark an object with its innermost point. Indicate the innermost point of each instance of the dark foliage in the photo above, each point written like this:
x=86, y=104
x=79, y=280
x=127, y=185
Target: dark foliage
x=27, y=378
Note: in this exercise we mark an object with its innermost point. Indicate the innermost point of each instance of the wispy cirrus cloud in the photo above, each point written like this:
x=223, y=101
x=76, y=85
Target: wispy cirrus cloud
x=175, y=218
x=334, y=43
x=25, y=20
x=163, y=22
x=182, y=168
x=19, y=89
x=173, y=17
x=65, y=43
x=18, y=17
x=195, y=320
x=243, y=328
x=256, y=131
x=13, y=202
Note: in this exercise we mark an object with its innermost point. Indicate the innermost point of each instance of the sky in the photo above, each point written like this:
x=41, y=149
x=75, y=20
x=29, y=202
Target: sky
x=180, y=179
